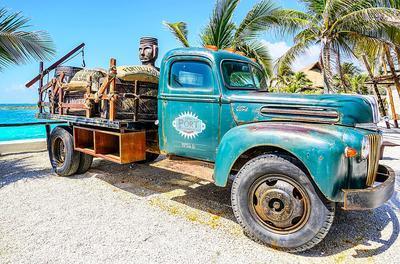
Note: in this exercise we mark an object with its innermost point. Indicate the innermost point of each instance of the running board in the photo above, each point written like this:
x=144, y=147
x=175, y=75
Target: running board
x=196, y=168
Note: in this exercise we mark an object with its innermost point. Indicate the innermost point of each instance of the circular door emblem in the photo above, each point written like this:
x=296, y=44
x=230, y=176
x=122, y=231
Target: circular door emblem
x=188, y=125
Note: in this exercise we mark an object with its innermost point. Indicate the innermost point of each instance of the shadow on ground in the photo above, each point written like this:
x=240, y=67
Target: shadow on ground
x=14, y=168
x=349, y=230
x=146, y=180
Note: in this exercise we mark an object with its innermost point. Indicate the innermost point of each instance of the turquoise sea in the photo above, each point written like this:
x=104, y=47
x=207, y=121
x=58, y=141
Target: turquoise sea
x=19, y=113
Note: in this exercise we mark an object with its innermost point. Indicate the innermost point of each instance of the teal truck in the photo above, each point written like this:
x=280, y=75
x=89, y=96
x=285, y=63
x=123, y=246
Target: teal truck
x=291, y=160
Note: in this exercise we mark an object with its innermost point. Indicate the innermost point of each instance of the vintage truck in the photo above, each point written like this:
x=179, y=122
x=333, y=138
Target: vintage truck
x=293, y=158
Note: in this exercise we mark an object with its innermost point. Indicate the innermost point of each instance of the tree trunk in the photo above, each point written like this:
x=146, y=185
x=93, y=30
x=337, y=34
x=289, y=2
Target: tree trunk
x=398, y=56
x=392, y=68
x=326, y=67
x=340, y=70
x=390, y=94
x=376, y=90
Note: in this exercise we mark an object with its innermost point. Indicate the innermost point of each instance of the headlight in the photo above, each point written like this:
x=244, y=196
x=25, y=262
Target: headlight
x=365, y=147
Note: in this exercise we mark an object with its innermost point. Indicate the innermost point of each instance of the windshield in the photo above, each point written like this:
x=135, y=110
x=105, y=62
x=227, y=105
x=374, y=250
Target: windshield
x=243, y=75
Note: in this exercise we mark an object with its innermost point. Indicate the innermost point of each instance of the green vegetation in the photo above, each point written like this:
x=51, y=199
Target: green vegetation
x=338, y=27
x=347, y=31
x=223, y=33
x=287, y=81
x=17, y=45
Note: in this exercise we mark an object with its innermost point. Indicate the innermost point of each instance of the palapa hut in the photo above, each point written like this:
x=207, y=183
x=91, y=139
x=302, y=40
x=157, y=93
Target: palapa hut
x=314, y=74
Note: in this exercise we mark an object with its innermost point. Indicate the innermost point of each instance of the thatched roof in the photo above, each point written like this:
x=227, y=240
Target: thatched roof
x=314, y=74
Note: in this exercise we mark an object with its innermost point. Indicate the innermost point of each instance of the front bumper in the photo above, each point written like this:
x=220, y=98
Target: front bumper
x=372, y=197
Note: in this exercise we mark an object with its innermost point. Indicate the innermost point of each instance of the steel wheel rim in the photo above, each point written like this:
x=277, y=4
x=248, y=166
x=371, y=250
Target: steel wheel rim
x=59, y=151
x=279, y=203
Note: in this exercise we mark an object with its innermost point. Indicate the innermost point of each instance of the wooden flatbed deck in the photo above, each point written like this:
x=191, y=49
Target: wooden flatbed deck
x=99, y=122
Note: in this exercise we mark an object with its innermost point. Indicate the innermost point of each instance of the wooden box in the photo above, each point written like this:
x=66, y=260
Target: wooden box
x=113, y=146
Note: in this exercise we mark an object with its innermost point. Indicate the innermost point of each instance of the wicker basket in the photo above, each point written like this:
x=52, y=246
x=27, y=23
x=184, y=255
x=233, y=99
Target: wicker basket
x=136, y=103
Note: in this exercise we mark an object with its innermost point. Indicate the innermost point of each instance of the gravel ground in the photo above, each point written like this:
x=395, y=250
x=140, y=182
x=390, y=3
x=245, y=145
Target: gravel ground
x=144, y=214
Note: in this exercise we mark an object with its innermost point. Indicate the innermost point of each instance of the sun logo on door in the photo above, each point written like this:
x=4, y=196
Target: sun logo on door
x=188, y=125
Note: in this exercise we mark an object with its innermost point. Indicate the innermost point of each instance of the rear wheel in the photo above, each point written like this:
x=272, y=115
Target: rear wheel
x=85, y=163
x=277, y=205
x=64, y=159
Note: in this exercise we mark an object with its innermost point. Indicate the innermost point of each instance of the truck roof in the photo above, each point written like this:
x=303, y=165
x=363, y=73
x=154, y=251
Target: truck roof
x=215, y=56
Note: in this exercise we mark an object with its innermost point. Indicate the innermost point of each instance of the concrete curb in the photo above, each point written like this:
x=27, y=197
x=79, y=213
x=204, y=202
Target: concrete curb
x=20, y=146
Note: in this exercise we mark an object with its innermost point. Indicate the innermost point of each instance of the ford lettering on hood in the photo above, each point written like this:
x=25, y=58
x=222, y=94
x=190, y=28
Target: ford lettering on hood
x=348, y=110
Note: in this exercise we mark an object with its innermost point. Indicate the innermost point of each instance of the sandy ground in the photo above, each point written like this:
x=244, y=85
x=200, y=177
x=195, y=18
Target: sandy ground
x=144, y=214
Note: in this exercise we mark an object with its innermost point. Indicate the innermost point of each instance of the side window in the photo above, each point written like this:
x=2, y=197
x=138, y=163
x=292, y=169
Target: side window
x=243, y=75
x=190, y=74
x=259, y=79
x=237, y=74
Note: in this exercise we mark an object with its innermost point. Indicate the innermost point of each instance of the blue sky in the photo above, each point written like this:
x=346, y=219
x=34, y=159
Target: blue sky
x=112, y=29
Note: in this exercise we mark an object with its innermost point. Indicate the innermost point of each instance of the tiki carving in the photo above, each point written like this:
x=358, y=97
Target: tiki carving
x=148, y=51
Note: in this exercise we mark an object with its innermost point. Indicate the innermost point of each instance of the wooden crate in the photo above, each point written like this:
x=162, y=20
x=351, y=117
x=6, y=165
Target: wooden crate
x=113, y=146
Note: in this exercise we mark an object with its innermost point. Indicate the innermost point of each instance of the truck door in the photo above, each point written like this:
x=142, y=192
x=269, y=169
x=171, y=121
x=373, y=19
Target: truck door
x=189, y=103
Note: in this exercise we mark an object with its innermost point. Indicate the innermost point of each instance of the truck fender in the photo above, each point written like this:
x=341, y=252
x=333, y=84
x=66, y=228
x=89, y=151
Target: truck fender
x=319, y=147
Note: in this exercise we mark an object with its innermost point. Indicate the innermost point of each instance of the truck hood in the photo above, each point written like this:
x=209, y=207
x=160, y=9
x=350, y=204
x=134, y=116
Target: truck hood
x=348, y=110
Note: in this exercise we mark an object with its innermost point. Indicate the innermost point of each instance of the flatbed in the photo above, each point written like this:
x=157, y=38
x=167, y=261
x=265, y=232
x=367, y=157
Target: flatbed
x=99, y=122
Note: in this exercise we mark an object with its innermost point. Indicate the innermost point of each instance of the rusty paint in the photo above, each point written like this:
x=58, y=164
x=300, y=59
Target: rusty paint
x=372, y=197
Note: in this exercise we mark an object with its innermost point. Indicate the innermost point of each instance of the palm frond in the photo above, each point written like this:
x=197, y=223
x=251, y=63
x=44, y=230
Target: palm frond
x=339, y=8
x=259, y=50
x=368, y=19
x=179, y=30
x=296, y=50
x=260, y=18
x=315, y=7
x=18, y=46
x=220, y=29
x=291, y=21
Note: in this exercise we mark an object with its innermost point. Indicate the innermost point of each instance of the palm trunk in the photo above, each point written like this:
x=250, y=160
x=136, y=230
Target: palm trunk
x=389, y=93
x=392, y=68
x=376, y=90
x=398, y=55
x=326, y=67
x=340, y=70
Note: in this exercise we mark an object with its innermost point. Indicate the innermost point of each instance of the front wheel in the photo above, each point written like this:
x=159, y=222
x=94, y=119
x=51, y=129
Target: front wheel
x=276, y=204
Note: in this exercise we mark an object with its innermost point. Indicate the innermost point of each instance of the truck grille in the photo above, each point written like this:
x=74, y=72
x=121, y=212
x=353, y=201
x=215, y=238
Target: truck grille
x=373, y=158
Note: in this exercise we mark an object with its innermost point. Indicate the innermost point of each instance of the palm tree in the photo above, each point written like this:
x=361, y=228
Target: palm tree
x=346, y=71
x=223, y=33
x=298, y=82
x=17, y=45
x=282, y=79
x=337, y=26
x=368, y=53
x=357, y=84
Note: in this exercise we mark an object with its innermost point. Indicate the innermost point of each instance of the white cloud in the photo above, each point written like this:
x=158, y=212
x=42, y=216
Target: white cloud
x=277, y=49
x=16, y=88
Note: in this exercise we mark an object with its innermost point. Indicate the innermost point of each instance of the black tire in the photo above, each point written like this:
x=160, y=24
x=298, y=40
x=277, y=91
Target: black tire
x=268, y=219
x=85, y=163
x=150, y=157
x=64, y=159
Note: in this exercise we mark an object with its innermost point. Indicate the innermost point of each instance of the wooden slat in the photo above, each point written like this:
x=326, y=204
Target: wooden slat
x=133, y=146
x=74, y=106
x=84, y=139
x=112, y=104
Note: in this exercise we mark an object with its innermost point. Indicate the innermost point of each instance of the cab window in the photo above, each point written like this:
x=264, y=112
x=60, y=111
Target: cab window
x=190, y=74
x=242, y=75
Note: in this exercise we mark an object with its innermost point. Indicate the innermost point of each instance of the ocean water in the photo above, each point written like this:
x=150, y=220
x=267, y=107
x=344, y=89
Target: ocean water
x=20, y=113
